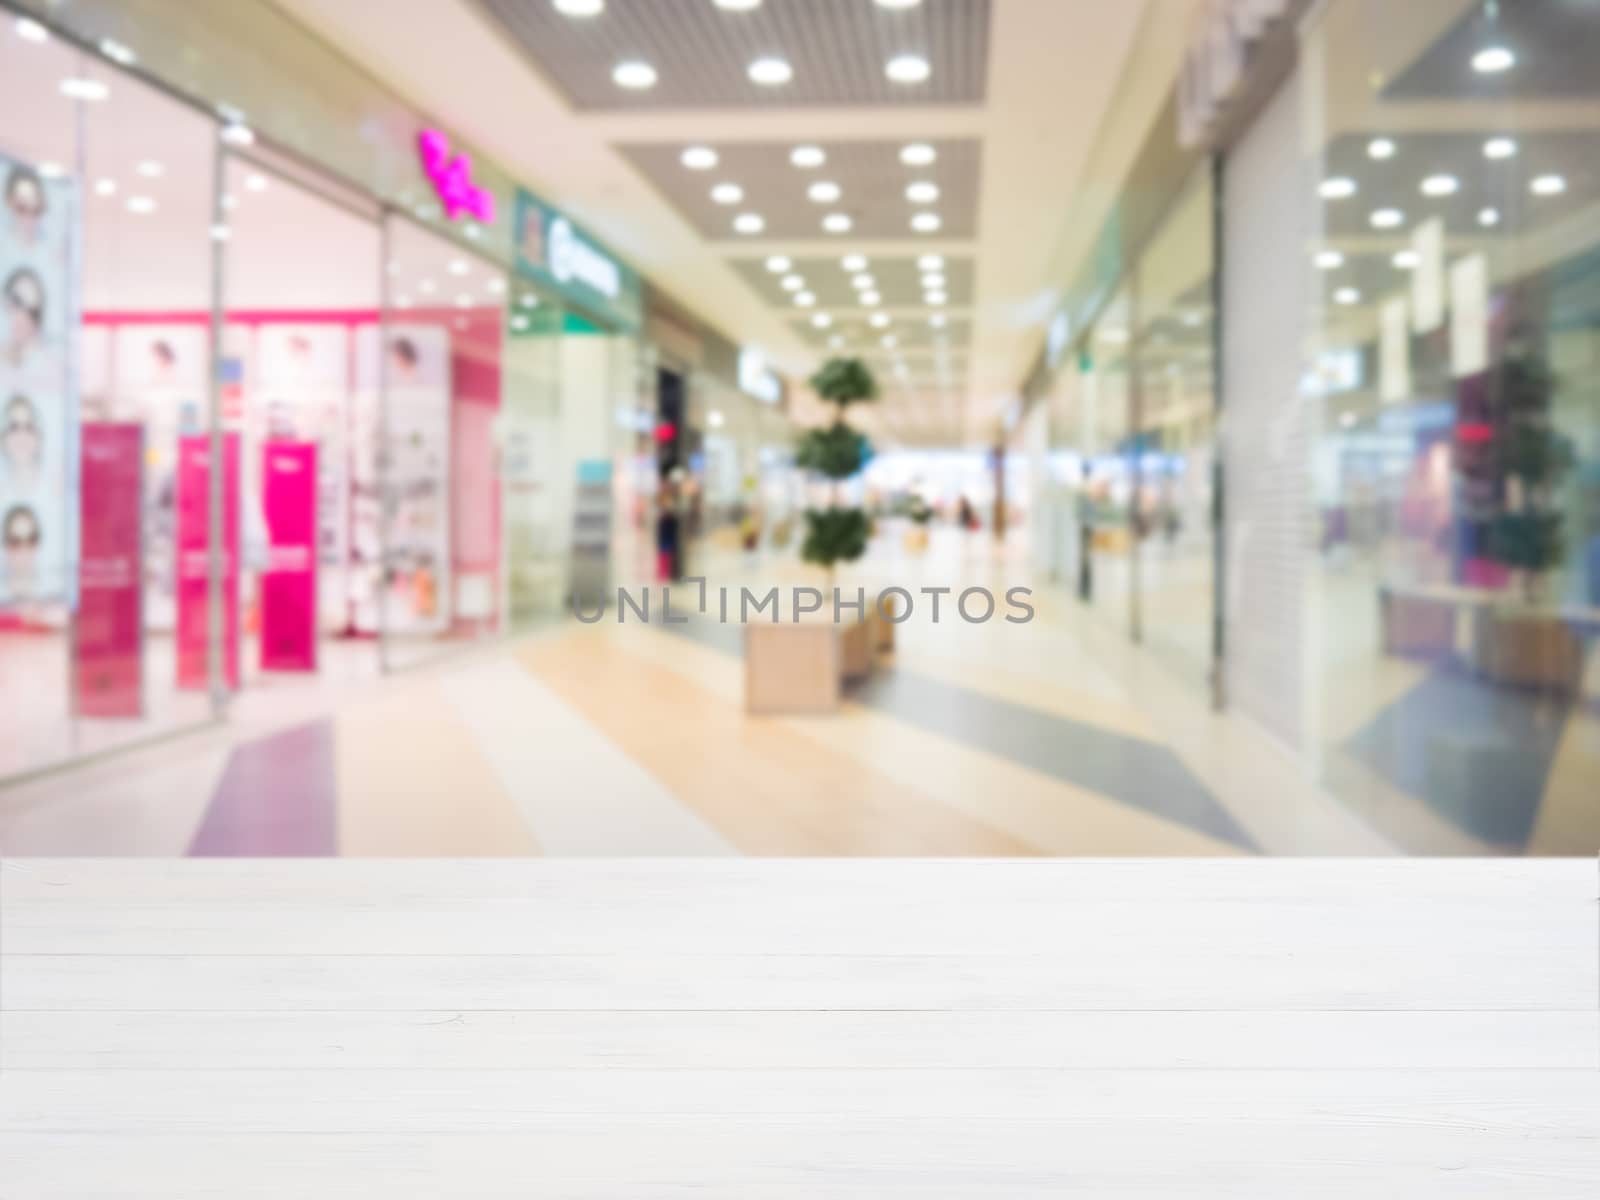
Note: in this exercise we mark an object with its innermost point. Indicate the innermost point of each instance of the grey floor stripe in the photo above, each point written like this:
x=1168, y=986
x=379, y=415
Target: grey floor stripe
x=278, y=797
x=1134, y=772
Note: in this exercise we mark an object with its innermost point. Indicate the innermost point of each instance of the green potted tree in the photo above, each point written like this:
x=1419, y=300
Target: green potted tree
x=837, y=533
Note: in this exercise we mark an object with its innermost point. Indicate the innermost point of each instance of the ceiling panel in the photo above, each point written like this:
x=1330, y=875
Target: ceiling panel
x=1557, y=44
x=897, y=280
x=908, y=332
x=872, y=184
x=701, y=53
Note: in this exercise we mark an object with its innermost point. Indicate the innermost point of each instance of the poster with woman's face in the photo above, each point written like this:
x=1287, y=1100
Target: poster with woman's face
x=38, y=418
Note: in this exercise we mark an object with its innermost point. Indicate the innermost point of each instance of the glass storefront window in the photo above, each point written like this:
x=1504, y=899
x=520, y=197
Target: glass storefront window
x=1105, y=433
x=1450, y=378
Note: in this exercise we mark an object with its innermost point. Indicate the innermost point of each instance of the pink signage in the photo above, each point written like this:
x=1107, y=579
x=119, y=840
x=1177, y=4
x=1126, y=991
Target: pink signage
x=107, y=666
x=289, y=582
x=193, y=553
x=451, y=177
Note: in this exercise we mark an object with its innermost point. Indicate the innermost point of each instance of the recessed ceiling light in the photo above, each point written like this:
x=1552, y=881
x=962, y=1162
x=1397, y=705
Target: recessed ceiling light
x=1488, y=216
x=854, y=262
x=824, y=191
x=256, y=182
x=1328, y=260
x=898, y=3
x=634, y=75
x=30, y=30
x=727, y=193
x=1440, y=185
x=870, y=299
x=150, y=169
x=917, y=154
x=933, y=279
x=141, y=205
x=1386, y=218
x=1491, y=60
x=738, y=5
x=579, y=8
x=236, y=133
x=879, y=320
x=922, y=192
x=105, y=187
x=807, y=156
x=496, y=285
x=770, y=72
x=698, y=158
x=84, y=89
x=473, y=232
x=821, y=320
x=1380, y=148
x=529, y=300
x=117, y=52
x=1337, y=188
x=889, y=340
x=1548, y=185
x=836, y=223
x=907, y=68
x=805, y=300
x=426, y=286
x=748, y=223
x=931, y=262
x=778, y=264
x=863, y=282
x=793, y=283
x=836, y=341
x=463, y=301
x=229, y=201
x=935, y=297
x=937, y=320
x=458, y=266
x=1347, y=295
x=1405, y=260
x=220, y=233
x=926, y=222
x=1500, y=147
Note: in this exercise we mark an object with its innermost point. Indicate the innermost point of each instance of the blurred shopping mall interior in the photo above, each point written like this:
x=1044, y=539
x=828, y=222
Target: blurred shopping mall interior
x=427, y=425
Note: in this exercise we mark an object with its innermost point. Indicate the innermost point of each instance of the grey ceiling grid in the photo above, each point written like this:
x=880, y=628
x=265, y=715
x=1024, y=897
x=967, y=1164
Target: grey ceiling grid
x=870, y=175
x=898, y=281
x=701, y=52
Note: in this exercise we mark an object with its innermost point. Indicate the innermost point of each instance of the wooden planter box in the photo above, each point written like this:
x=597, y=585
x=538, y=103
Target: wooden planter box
x=802, y=667
x=1527, y=649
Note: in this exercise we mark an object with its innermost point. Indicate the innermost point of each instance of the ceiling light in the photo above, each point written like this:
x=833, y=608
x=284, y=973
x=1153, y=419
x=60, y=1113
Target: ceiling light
x=1440, y=185
x=472, y=231
x=105, y=187
x=1488, y=216
x=1548, y=185
x=737, y=5
x=426, y=286
x=836, y=341
x=256, y=183
x=698, y=158
x=1491, y=60
x=793, y=283
x=229, y=201
x=937, y=320
x=458, y=266
x=778, y=264
x=84, y=89
x=807, y=156
x=579, y=8
x=926, y=222
x=529, y=300
x=748, y=223
x=907, y=68
x=30, y=30
x=922, y=192
x=405, y=302
x=821, y=320
x=879, y=320
x=805, y=300
x=463, y=301
x=870, y=299
x=933, y=279
x=935, y=297
x=836, y=223
x=917, y=154
x=236, y=133
x=1380, y=148
x=1329, y=260
x=889, y=340
x=496, y=285
x=150, y=169
x=823, y=191
x=1405, y=260
x=898, y=3
x=1346, y=295
x=863, y=282
x=727, y=193
x=141, y=205
x=634, y=75
x=220, y=233
x=1500, y=147
x=1337, y=188
x=117, y=52
x=854, y=262
x=770, y=72
x=931, y=262
x=1386, y=218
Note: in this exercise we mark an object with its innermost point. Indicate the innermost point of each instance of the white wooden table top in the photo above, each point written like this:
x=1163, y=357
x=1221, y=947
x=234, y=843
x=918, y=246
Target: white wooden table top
x=640, y=1029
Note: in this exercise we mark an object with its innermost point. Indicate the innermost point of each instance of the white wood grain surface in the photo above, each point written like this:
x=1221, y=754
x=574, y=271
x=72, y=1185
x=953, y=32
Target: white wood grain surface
x=792, y=1029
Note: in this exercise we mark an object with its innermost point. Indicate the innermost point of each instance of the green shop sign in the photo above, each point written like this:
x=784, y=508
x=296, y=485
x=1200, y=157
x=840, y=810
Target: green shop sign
x=554, y=251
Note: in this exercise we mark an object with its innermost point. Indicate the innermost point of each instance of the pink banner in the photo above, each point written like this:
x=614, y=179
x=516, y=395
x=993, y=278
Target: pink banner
x=193, y=542
x=108, y=678
x=289, y=582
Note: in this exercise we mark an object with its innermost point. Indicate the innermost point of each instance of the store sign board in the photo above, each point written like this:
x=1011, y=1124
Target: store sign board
x=554, y=251
x=756, y=379
x=451, y=176
x=107, y=643
x=1469, y=315
x=1221, y=37
x=289, y=582
x=193, y=588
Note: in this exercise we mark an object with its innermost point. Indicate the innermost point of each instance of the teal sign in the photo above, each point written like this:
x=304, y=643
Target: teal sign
x=554, y=251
